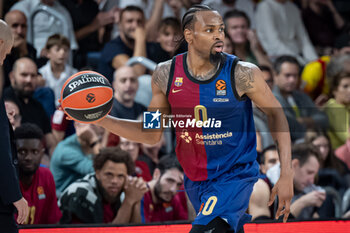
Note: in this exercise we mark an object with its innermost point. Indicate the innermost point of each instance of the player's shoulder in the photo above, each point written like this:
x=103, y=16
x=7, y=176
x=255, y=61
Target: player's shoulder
x=163, y=66
x=245, y=74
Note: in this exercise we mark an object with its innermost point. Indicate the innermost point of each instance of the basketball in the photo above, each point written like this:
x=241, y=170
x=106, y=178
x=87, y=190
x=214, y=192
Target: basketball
x=87, y=97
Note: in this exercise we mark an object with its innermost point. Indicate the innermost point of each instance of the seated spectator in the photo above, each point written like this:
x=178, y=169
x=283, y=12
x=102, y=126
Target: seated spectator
x=125, y=85
x=13, y=113
x=88, y=22
x=307, y=197
x=133, y=149
x=323, y=23
x=110, y=195
x=300, y=110
x=21, y=48
x=152, y=153
x=264, y=138
x=337, y=109
x=269, y=158
x=228, y=44
x=130, y=43
x=281, y=31
x=56, y=71
x=55, y=19
x=333, y=172
x=343, y=152
x=23, y=84
x=317, y=74
x=163, y=200
x=246, y=44
x=72, y=158
x=169, y=35
x=37, y=184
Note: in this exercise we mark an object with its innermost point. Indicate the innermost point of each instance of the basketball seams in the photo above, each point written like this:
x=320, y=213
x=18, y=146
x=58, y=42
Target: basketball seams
x=85, y=90
x=107, y=101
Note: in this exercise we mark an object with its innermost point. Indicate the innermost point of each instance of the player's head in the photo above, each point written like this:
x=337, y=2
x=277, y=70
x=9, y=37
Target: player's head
x=169, y=34
x=133, y=148
x=30, y=148
x=17, y=21
x=203, y=30
x=287, y=73
x=6, y=40
x=237, y=25
x=112, y=167
x=131, y=17
x=57, y=47
x=169, y=178
x=13, y=113
x=23, y=77
x=305, y=163
x=269, y=157
x=125, y=85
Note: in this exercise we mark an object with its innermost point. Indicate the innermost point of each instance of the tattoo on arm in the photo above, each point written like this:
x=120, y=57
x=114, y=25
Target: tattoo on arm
x=244, y=77
x=161, y=75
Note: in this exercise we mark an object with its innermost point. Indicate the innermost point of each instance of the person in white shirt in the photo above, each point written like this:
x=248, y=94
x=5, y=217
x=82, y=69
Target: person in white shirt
x=57, y=71
x=282, y=32
x=54, y=19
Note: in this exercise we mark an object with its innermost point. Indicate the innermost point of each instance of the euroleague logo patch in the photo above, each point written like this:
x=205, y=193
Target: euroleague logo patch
x=90, y=97
x=220, y=87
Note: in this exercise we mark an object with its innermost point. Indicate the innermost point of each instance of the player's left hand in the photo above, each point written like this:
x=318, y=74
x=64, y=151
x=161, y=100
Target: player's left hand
x=284, y=189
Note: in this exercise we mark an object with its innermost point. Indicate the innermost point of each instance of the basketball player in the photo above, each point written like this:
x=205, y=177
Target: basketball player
x=219, y=162
x=10, y=193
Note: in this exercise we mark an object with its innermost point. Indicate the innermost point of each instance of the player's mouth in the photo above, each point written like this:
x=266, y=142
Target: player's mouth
x=219, y=46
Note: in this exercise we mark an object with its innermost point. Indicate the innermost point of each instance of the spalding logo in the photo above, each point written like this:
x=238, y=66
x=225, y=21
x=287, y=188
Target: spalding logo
x=93, y=115
x=90, y=97
x=86, y=79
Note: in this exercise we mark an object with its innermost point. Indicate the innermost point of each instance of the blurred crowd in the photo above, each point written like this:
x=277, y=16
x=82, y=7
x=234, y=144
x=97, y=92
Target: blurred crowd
x=79, y=173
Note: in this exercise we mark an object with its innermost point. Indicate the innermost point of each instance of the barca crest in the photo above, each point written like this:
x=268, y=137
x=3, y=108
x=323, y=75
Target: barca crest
x=178, y=81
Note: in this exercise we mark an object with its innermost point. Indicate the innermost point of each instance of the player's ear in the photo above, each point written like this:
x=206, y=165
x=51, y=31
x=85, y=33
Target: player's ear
x=188, y=34
x=156, y=174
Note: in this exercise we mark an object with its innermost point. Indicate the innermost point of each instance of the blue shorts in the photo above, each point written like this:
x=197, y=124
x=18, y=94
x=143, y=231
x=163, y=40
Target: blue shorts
x=226, y=197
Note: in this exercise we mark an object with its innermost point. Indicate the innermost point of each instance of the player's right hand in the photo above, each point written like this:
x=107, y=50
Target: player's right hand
x=22, y=209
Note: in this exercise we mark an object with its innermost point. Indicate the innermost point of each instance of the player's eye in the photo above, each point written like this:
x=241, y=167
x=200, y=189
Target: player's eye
x=209, y=30
x=221, y=29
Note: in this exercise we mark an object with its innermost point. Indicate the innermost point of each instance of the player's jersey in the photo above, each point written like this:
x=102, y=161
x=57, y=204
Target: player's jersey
x=41, y=198
x=227, y=136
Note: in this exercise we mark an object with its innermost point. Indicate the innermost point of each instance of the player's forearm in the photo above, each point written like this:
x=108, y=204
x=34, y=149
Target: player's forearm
x=279, y=129
x=130, y=129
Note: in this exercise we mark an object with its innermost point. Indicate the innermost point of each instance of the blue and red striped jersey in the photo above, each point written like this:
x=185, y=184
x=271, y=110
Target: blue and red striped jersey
x=214, y=125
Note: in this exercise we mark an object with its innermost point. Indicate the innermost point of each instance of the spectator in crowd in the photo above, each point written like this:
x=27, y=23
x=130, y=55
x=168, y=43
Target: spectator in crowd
x=72, y=158
x=23, y=84
x=125, y=85
x=333, y=172
x=130, y=43
x=110, y=195
x=343, y=152
x=300, y=110
x=152, y=153
x=21, y=48
x=228, y=44
x=246, y=44
x=317, y=74
x=264, y=138
x=169, y=36
x=281, y=31
x=13, y=113
x=55, y=19
x=269, y=158
x=88, y=22
x=163, y=200
x=337, y=109
x=10, y=193
x=57, y=70
x=307, y=197
x=133, y=149
x=323, y=23
x=36, y=182
x=222, y=6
